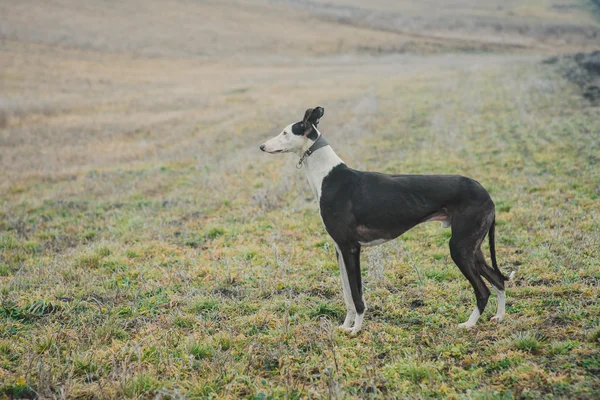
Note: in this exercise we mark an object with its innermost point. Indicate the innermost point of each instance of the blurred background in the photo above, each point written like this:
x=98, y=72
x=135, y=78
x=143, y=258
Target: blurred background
x=88, y=84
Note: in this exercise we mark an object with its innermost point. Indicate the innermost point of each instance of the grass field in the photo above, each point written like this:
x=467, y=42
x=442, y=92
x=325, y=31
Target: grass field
x=148, y=249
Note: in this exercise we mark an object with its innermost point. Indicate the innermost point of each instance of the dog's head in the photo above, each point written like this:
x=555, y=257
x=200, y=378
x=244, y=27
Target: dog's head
x=296, y=137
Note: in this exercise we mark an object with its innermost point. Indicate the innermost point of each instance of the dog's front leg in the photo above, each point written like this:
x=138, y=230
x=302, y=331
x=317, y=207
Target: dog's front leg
x=350, y=311
x=351, y=258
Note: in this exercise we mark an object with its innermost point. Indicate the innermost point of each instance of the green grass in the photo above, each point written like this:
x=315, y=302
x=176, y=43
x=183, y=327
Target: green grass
x=527, y=341
x=215, y=279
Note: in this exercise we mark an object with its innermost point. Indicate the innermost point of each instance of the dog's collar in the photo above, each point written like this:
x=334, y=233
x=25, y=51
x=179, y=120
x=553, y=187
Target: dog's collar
x=320, y=142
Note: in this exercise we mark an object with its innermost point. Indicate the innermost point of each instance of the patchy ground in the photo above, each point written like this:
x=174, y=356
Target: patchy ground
x=583, y=69
x=148, y=249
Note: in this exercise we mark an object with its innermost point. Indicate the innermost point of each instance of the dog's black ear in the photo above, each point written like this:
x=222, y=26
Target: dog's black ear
x=307, y=115
x=312, y=117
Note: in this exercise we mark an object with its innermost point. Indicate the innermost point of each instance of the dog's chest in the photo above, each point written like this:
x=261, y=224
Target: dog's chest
x=317, y=169
x=315, y=184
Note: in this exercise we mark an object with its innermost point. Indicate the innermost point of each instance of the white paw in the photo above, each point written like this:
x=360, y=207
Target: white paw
x=350, y=330
x=466, y=325
x=354, y=331
x=497, y=318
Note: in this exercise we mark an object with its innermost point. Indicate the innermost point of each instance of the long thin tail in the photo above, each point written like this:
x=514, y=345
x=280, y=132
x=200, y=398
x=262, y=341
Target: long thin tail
x=492, y=236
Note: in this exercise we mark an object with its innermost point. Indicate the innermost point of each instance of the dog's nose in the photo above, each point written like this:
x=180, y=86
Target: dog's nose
x=262, y=147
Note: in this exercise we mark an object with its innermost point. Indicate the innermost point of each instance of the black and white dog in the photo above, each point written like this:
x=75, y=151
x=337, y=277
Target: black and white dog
x=367, y=208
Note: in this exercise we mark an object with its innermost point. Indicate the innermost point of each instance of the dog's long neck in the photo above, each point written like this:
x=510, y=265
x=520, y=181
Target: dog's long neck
x=318, y=165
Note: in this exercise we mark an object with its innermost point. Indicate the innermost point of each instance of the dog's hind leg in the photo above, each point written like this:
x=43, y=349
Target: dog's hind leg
x=351, y=257
x=463, y=255
x=501, y=310
x=497, y=280
x=350, y=310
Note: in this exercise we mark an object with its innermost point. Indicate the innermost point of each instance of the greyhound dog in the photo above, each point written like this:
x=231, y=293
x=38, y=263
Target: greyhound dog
x=368, y=208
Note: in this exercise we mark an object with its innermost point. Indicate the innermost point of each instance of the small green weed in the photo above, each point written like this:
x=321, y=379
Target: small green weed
x=527, y=341
x=214, y=233
x=326, y=310
x=140, y=385
x=200, y=350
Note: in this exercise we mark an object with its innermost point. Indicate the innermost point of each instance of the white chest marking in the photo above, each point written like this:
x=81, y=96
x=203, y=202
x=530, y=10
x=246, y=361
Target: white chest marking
x=318, y=166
